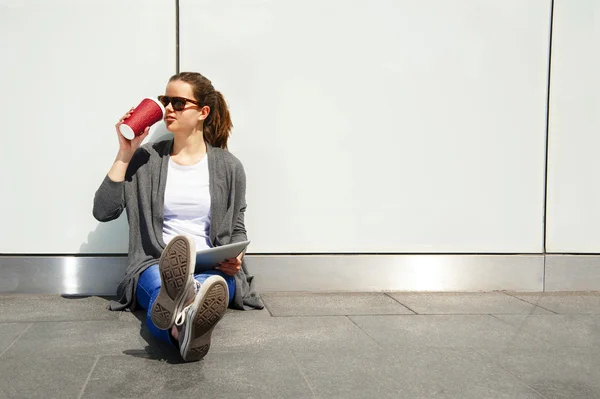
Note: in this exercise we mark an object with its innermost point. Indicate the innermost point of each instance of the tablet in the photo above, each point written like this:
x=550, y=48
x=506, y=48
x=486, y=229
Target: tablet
x=207, y=259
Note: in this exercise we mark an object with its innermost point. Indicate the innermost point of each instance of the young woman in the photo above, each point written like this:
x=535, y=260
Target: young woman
x=181, y=195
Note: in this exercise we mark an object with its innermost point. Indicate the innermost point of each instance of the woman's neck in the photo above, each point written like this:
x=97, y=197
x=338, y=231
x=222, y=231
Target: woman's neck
x=188, y=149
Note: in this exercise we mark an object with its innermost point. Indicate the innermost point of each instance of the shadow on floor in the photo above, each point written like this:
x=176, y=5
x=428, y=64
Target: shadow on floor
x=154, y=350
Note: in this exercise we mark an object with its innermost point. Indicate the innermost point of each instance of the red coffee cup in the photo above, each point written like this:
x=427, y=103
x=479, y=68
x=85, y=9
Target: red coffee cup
x=147, y=113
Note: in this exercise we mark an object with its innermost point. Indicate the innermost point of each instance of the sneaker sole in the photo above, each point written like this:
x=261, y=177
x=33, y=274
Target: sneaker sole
x=176, y=274
x=208, y=313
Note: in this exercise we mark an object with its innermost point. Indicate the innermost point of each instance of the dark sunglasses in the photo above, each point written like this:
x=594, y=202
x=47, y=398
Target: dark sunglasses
x=177, y=102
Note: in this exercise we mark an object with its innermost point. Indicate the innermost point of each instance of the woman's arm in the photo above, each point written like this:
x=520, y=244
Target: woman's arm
x=109, y=200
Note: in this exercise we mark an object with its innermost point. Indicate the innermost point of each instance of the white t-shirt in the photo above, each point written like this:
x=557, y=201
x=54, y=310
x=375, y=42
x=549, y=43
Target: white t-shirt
x=187, y=203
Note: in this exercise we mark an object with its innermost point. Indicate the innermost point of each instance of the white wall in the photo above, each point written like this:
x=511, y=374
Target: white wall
x=69, y=71
x=382, y=126
x=574, y=135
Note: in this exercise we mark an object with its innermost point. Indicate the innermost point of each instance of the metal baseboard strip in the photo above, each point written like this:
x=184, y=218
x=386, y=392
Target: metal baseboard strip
x=100, y=275
x=69, y=275
x=399, y=273
x=572, y=273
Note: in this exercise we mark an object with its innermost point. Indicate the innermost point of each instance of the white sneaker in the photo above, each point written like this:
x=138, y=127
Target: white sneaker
x=176, y=267
x=196, y=322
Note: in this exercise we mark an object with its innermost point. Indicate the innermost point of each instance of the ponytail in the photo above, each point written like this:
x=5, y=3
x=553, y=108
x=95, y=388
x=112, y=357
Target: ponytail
x=217, y=126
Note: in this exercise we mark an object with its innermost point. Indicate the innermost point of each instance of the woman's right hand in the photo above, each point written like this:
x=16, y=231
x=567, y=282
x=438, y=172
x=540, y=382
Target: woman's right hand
x=127, y=147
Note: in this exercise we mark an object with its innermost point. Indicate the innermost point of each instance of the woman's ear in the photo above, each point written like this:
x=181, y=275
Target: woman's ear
x=204, y=112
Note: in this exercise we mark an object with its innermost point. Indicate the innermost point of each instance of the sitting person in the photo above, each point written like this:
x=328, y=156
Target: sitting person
x=181, y=195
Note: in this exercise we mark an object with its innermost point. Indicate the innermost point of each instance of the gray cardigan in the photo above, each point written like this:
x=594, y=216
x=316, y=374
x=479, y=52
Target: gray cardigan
x=142, y=196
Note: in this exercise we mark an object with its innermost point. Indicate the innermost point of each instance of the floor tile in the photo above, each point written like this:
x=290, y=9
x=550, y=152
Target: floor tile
x=9, y=332
x=79, y=338
x=57, y=376
x=23, y=308
x=289, y=333
x=466, y=303
x=565, y=302
x=556, y=373
x=442, y=331
x=223, y=375
x=559, y=330
x=409, y=373
x=332, y=304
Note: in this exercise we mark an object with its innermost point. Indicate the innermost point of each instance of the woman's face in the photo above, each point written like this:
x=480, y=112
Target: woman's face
x=186, y=120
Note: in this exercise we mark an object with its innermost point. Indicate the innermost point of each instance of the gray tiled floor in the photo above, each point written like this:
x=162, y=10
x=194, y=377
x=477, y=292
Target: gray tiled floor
x=350, y=345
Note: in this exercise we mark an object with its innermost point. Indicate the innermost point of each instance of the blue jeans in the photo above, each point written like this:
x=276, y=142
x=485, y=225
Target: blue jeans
x=149, y=286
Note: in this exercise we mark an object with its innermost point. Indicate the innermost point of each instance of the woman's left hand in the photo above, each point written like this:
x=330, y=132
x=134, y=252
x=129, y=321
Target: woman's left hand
x=230, y=266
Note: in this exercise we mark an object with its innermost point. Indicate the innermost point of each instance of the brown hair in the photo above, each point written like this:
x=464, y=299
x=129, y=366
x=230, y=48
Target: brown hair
x=217, y=126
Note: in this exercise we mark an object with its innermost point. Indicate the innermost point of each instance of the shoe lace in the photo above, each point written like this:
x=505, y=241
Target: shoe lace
x=180, y=319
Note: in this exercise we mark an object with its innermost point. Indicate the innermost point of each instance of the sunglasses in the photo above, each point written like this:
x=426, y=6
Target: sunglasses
x=177, y=102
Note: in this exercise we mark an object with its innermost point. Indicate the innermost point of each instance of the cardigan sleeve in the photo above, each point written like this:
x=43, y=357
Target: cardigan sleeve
x=109, y=200
x=239, y=229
